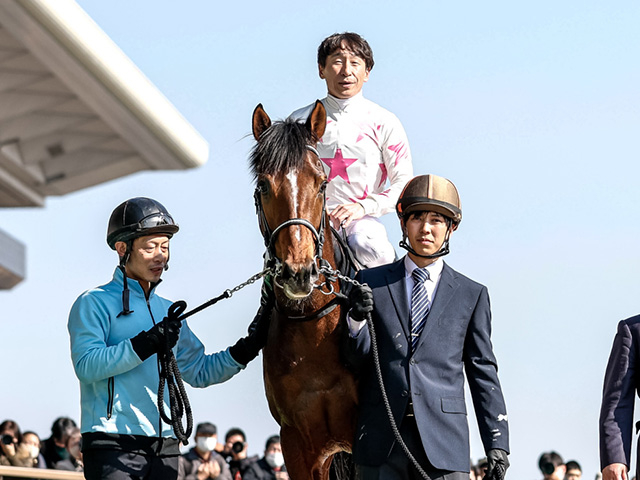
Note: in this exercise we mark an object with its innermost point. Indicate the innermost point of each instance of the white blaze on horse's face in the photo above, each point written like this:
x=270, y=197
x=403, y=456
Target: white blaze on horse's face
x=299, y=273
x=292, y=176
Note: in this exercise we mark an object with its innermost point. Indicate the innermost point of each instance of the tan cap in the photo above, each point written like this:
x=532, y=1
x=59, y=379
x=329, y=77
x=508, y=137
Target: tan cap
x=433, y=193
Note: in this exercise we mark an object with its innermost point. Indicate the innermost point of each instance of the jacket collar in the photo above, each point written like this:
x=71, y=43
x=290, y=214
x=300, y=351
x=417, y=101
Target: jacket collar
x=134, y=285
x=447, y=286
x=398, y=292
x=341, y=104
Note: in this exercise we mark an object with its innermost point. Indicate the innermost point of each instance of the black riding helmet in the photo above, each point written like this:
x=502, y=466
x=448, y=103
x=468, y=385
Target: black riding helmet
x=135, y=218
x=138, y=217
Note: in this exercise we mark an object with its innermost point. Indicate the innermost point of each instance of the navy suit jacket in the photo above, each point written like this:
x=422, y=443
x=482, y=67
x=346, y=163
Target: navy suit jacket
x=620, y=385
x=455, y=339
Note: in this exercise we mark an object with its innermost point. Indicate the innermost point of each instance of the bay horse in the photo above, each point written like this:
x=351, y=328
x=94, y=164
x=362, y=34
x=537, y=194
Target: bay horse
x=311, y=393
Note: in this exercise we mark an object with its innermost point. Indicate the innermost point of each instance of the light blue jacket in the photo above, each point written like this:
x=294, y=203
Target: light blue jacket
x=101, y=348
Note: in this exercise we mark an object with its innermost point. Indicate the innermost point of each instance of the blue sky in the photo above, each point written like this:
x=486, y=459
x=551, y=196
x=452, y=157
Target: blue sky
x=531, y=109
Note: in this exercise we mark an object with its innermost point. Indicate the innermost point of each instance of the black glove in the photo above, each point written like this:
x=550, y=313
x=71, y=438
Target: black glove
x=163, y=333
x=361, y=302
x=497, y=464
x=247, y=348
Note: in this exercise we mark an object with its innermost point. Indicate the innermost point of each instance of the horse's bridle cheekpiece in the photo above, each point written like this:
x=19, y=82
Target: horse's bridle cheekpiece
x=275, y=264
x=271, y=236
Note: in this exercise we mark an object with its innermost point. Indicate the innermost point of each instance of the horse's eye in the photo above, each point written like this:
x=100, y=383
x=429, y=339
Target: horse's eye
x=263, y=187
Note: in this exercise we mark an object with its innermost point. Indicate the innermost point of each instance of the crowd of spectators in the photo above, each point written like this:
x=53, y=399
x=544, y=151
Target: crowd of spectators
x=553, y=467
x=208, y=459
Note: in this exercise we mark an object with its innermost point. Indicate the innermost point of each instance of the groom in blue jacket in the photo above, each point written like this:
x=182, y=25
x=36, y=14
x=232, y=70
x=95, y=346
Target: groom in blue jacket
x=117, y=331
x=433, y=326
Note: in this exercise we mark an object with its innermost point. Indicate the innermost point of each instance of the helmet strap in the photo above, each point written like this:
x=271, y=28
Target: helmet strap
x=125, y=286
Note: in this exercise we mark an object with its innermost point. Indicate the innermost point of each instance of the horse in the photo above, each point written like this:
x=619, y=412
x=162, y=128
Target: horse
x=311, y=393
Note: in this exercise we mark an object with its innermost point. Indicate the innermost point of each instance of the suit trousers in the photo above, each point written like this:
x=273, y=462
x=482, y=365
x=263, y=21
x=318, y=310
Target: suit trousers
x=106, y=464
x=399, y=467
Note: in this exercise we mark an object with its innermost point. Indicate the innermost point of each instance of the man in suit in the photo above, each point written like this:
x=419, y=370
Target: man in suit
x=618, y=397
x=432, y=327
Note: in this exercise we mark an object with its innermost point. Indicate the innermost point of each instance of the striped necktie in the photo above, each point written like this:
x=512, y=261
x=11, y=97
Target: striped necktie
x=419, y=305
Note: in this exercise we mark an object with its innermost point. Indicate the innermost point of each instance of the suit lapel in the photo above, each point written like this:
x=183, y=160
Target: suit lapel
x=398, y=292
x=444, y=293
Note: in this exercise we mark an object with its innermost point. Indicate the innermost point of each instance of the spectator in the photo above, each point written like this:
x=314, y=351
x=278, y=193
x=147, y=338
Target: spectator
x=481, y=468
x=13, y=452
x=53, y=448
x=73, y=446
x=31, y=440
x=552, y=466
x=203, y=462
x=574, y=470
x=235, y=450
x=271, y=466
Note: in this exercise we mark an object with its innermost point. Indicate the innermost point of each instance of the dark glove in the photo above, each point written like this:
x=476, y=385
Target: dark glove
x=361, y=302
x=163, y=333
x=497, y=464
x=247, y=348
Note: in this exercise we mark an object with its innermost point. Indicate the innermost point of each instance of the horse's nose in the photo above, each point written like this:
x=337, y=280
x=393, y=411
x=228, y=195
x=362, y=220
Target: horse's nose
x=299, y=280
x=300, y=276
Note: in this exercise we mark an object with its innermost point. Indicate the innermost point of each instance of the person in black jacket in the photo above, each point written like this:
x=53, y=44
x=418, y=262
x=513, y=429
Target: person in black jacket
x=202, y=462
x=54, y=448
x=235, y=451
x=271, y=466
x=433, y=330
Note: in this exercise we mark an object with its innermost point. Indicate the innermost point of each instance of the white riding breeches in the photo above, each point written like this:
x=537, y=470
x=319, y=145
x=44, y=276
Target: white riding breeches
x=367, y=239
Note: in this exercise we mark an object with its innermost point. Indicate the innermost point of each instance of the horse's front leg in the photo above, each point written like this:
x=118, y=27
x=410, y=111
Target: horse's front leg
x=303, y=456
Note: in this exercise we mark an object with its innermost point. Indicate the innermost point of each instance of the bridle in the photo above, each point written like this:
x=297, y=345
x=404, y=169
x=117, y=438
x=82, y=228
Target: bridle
x=271, y=236
x=271, y=259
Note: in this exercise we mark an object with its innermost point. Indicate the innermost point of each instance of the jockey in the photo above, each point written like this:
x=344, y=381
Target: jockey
x=116, y=332
x=363, y=147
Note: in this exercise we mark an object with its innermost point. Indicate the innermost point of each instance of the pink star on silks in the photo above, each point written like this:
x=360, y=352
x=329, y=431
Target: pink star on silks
x=399, y=149
x=383, y=178
x=338, y=165
x=364, y=195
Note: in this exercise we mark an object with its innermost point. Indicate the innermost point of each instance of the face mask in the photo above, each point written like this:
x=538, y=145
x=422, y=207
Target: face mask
x=275, y=460
x=206, y=444
x=33, y=451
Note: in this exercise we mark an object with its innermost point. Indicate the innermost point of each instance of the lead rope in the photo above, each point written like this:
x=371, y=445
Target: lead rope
x=170, y=375
x=376, y=362
x=385, y=399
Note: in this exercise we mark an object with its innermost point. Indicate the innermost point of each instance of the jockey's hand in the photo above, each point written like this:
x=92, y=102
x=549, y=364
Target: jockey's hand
x=497, y=464
x=361, y=302
x=344, y=214
x=161, y=334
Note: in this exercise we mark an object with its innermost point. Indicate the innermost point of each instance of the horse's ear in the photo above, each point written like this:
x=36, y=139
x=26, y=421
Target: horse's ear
x=260, y=122
x=317, y=121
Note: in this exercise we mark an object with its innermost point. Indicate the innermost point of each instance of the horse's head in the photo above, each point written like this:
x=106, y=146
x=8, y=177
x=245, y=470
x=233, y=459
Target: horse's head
x=290, y=196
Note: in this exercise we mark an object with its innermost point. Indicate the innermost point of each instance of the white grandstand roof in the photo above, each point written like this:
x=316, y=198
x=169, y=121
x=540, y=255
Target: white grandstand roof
x=74, y=109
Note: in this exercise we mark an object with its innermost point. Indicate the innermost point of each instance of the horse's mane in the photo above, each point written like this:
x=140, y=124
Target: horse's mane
x=281, y=148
